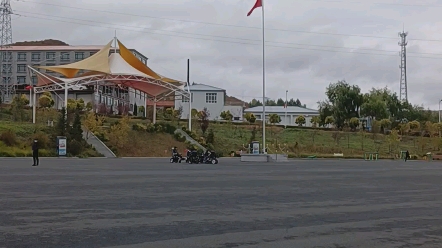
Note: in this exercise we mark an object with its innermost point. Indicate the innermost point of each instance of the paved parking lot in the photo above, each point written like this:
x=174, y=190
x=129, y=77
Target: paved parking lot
x=151, y=203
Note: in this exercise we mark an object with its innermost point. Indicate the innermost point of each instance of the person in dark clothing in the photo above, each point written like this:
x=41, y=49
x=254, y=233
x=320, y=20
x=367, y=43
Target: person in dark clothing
x=407, y=156
x=35, y=153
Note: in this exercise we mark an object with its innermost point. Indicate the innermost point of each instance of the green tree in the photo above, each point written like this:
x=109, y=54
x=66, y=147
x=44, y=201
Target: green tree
x=17, y=107
x=354, y=123
x=393, y=141
x=344, y=101
x=415, y=126
x=135, y=112
x=226, y=115
x=374, y=106
x=92, y=122
x=89, y=106
x=203, y=118
x=194, y=113
x=210, y=137
x=274, y=119
x=76, y=132
x=141, y=110
x=315, y=120
x=171, y=114
x=46, y=100
x=251, y=118
x=300, y=120
x=329, y=120
x=62, y=123
x=404, y=128
x=385, y=124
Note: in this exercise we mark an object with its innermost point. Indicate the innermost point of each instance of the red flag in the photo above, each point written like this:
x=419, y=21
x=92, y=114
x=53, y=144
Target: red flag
x=28, y=87
x=257, y=5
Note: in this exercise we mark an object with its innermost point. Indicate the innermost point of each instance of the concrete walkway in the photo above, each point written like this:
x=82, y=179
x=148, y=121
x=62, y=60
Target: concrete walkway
x=190, y=139
x=98, y=144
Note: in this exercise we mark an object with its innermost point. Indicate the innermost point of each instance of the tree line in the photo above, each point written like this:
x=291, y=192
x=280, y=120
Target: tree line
x=279, y=102
x=345, y=102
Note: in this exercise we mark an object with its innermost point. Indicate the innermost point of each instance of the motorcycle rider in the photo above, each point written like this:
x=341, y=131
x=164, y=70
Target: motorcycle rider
x=206, y=156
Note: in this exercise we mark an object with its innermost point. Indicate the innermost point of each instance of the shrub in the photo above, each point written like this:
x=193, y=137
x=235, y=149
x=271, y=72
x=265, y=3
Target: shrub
x=75, y=147
x=166, y=127
x=9, y=138
x=179, y=137
x=43, y=140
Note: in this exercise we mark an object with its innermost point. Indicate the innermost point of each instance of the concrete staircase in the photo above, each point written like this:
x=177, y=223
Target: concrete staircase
x=98, y=145
x=190, y=139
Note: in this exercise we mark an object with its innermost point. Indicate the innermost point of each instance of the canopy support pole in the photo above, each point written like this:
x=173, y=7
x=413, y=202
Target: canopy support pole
x=154, y=118
x=34, y=108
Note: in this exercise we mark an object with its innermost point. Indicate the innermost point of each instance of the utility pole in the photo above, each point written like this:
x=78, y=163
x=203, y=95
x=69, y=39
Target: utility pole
x=403, y=96
x=7, y=88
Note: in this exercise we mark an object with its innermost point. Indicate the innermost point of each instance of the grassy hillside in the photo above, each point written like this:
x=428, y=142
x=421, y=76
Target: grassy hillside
x=301, y=142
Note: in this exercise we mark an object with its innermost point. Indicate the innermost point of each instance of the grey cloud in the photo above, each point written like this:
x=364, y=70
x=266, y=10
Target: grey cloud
x=304, y=70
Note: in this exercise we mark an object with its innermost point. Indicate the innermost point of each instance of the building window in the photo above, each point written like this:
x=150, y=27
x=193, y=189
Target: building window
x=50, y=56
x=7, y=56
x=92, y=53
x=21, y=56
x=211, y=97
x=6, y=80
x=21, y=68
x=6, y=68
x=35, y=56
x=64, y=56
x=185, y=99
x=79, y=55
x=21, y=80
x=34, y=80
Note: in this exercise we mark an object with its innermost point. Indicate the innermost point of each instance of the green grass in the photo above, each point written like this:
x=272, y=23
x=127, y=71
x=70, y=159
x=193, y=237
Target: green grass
x=302, y=142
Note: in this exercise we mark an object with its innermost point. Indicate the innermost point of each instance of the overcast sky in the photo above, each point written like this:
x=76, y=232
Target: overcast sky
x=325, y=41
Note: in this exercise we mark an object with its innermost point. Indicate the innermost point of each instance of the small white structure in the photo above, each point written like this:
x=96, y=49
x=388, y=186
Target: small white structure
x=292, y=113
x=212, y=98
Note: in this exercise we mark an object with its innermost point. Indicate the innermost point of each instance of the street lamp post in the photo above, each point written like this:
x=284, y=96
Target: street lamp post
x=439, y=117
x=285, y=118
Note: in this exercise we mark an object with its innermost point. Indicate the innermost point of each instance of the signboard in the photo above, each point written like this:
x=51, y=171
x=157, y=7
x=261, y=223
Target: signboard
x=255, y=147
x=61, y=146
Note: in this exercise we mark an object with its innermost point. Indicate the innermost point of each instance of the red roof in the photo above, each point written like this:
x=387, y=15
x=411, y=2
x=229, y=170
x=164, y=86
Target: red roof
x=161, y=103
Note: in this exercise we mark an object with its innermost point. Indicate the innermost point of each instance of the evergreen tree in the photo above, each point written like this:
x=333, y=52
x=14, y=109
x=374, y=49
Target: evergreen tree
x=76, y=132
x=135, y=110
x=62, y=123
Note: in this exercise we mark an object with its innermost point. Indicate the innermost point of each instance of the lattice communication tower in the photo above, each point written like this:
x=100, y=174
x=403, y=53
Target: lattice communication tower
x=7, y=87
x=403, y=96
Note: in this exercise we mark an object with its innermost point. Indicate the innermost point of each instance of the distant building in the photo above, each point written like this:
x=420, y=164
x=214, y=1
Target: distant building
x=212, y=98
x=292, y=113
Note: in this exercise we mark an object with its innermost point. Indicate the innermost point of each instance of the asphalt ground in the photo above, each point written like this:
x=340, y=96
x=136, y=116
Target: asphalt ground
x=151, y=203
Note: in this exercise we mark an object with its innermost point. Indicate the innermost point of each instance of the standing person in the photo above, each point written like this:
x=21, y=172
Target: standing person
x=407, y=156
x=35, y=153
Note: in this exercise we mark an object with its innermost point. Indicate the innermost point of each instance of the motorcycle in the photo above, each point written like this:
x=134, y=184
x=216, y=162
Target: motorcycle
x=176, y=159
x=192, y=158
x=209, y=159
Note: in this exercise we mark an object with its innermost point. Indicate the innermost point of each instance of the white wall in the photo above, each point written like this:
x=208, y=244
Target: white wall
x=137, y=97
x=236, y=111
x=291, y=118
x=199, y=103
x=59, y=99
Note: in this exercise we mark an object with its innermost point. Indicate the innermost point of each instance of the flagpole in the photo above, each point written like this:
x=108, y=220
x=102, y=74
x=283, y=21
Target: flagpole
x=263, y=83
